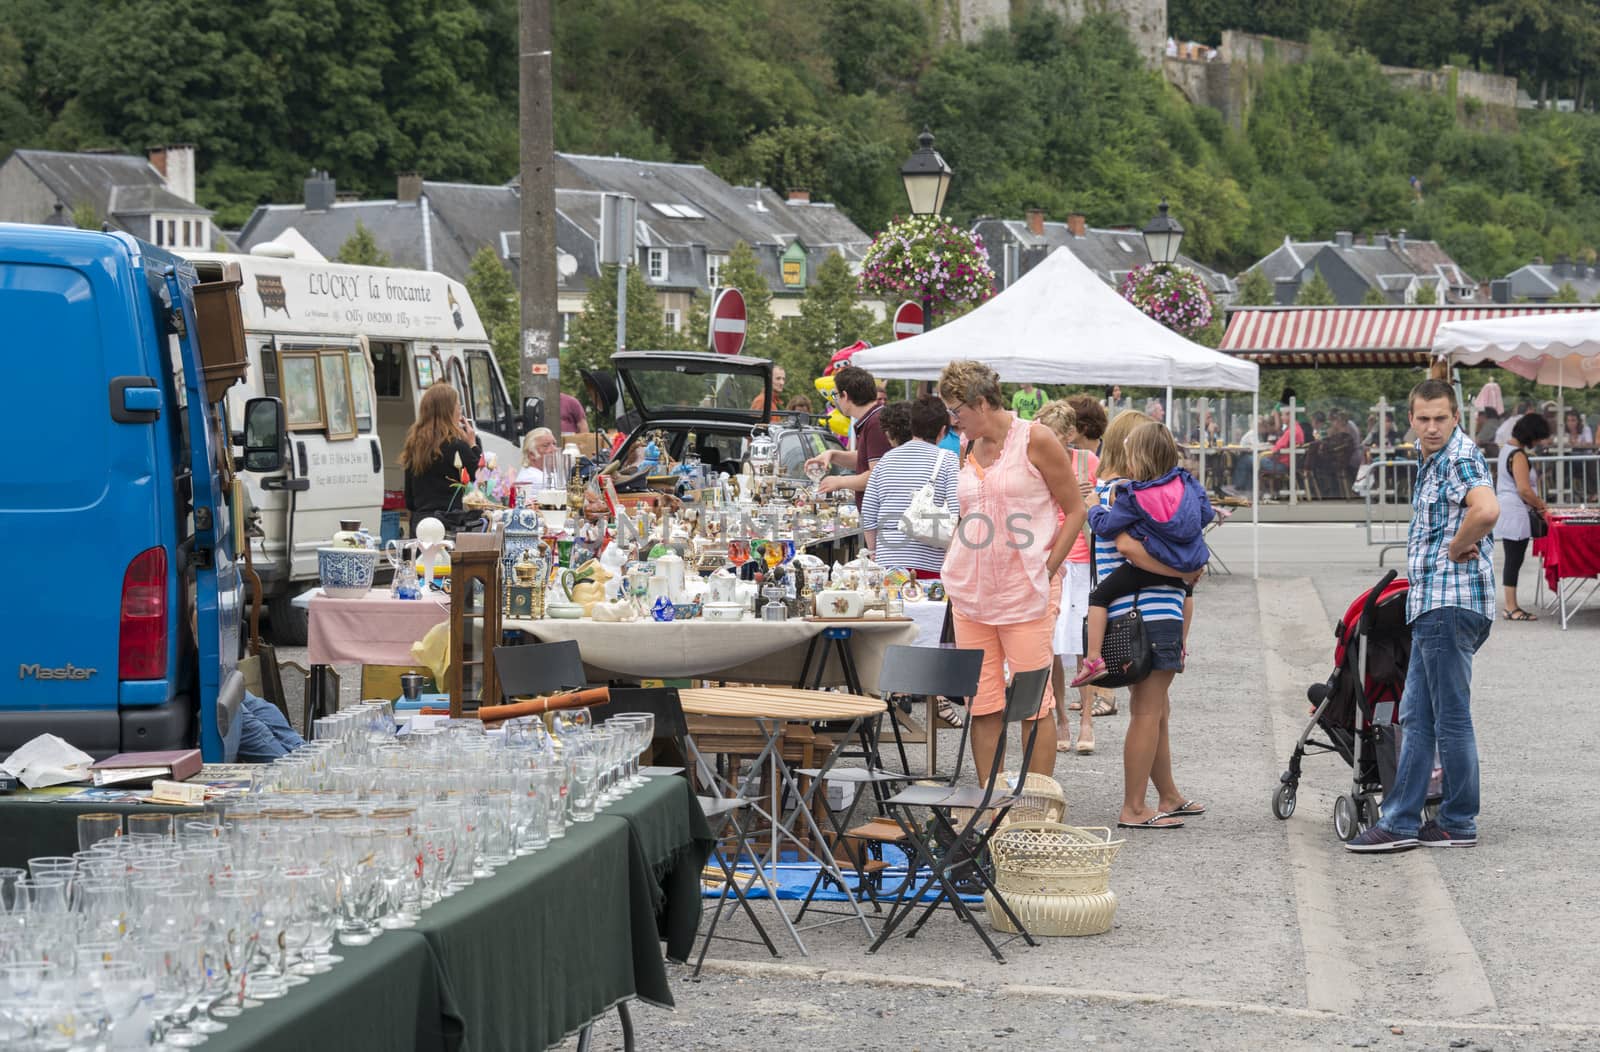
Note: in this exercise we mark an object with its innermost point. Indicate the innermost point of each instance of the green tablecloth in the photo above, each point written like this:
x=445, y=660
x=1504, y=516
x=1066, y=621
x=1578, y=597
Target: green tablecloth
x=671, y=832
x=34, y=826
x=383, y=997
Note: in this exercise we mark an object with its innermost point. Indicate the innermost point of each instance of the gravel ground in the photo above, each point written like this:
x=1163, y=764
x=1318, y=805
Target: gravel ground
x=1241, y=931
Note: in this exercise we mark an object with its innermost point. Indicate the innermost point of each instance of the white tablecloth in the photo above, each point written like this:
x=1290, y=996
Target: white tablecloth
x=736, y=651
x=929, y=618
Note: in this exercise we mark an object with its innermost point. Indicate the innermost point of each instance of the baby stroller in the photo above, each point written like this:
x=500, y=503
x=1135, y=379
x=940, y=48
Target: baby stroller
x=1357, y=708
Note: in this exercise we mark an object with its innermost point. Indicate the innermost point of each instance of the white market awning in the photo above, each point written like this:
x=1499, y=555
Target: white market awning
x=1561, y=350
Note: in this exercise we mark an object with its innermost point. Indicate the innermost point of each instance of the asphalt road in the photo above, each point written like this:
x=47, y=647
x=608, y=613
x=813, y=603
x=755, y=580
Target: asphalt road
x=1241, y=931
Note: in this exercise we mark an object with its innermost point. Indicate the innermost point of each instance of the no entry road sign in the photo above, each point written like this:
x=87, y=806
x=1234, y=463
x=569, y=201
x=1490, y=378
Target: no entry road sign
x=908, y=320
x=727, y=322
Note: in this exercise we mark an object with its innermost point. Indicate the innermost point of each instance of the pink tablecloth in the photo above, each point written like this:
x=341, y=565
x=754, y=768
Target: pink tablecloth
x=1569, y=550
x=377, y=630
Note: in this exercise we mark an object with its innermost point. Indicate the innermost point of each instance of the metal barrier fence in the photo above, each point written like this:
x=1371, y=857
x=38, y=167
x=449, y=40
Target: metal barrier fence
x=1385, y=484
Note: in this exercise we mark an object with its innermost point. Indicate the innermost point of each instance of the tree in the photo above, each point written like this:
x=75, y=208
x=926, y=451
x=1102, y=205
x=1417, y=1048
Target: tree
x=1567, y=294
x=361, y=248
x=489, y=285
x=831, y=317
x=760, y=328
x=1315, y=293
x=1427, y=296
x=1374, y=297
x=1255, y=290
x=593, y=338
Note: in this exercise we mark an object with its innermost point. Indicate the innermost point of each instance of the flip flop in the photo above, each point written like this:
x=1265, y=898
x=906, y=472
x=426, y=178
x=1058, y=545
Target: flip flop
x=1188, y=807
x=1153, y=822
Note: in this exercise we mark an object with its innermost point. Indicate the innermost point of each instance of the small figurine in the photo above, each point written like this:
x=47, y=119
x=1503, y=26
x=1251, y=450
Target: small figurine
x=663, y=610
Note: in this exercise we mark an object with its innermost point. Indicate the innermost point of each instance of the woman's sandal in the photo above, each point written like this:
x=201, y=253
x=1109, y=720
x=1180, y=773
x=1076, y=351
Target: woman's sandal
x=1092, y=670
x=1104, y=706
x=951, y=714
x=1519, y=614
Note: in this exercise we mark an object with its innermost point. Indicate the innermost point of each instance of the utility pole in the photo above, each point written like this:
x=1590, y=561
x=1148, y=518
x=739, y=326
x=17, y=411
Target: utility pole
x=541, y=362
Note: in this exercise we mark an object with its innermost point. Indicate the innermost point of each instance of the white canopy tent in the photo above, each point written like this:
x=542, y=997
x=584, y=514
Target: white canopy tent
x=1561, y=350
x=1060, y=324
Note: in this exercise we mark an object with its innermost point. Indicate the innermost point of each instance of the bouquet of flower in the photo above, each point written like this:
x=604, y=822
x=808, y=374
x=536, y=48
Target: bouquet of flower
x=1175, y=296
x=928, y=258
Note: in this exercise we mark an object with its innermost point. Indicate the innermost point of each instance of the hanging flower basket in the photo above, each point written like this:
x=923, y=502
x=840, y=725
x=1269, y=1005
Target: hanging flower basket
x=1175, y=296
x=928, y=259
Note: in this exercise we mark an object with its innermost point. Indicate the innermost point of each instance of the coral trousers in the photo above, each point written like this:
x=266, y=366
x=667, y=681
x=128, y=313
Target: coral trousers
x=1021, y=647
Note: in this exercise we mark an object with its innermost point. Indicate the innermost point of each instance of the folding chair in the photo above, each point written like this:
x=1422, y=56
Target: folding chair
x=539, y=668
x=1214, y=564
x=907, y=673
x=952, y=854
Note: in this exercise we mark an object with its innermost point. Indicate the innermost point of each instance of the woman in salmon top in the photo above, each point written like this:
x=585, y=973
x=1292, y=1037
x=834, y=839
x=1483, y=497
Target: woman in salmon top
x=1001, y=570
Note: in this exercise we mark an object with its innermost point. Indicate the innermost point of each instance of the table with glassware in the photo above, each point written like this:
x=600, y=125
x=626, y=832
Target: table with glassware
x=469, y=907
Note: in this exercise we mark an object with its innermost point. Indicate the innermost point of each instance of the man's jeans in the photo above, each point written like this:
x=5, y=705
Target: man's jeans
x=1270, y=465
x=264, y=734
x=1436, y=712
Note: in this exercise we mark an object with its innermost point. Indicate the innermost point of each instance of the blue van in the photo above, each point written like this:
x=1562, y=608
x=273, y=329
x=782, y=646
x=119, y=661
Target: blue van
x=122, y=595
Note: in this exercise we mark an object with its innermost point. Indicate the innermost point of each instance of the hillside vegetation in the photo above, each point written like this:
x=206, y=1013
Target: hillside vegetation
x=828, y=95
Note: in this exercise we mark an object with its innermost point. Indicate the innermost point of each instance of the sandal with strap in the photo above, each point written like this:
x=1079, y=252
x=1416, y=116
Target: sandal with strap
x=1093, y=669
x=1519, y=614
x=1104, y=706
x=951, y=714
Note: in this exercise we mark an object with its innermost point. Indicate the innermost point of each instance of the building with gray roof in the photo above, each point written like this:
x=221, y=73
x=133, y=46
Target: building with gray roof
x=1397, y=267
x=150, y=197
x=1017, y=246
x=1541, y=282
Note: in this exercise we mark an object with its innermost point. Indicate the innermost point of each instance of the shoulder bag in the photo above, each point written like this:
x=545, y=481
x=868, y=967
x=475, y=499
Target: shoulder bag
x=925, y=520
x=1125, y=649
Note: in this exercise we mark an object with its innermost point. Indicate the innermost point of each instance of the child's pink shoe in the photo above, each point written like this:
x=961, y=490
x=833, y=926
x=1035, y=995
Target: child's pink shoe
x=1092, y=670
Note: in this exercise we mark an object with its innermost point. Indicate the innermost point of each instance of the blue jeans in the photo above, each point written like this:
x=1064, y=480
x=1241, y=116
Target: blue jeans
x=1270, y=465
x=1436, y=712
x=264, y=735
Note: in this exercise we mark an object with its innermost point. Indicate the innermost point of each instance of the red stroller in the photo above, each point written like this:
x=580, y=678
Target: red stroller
x=1357, y=708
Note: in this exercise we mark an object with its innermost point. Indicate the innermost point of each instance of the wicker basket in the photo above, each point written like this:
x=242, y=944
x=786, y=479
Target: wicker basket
x=1055, y=877
x=1042, y=800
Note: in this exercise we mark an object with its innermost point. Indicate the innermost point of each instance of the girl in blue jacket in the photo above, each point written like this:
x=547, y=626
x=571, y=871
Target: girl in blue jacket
x=1163, y=508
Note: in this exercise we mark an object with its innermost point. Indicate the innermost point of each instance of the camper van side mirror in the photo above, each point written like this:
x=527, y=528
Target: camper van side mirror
x=532, y=414
x=264, y=435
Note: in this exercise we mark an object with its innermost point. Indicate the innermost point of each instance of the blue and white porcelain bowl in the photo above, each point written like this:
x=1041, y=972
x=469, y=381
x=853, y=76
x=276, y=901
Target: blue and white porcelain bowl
x=347, y=572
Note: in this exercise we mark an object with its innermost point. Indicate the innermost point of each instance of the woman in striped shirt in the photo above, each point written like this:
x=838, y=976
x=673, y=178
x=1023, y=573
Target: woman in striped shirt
x=914, y=429
x=1146, y=750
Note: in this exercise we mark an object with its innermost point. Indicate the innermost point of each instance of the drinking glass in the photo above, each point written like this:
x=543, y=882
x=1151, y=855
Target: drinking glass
x=585, y=786
x=738, y=550
x=93, y=828
x=358, y=884
x=153, y=827
x=9, y=875
x=57, y=867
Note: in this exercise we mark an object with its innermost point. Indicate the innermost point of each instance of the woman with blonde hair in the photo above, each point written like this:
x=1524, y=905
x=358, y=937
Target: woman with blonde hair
x=441, y=453
x=1020, y=512
x=1146, y=749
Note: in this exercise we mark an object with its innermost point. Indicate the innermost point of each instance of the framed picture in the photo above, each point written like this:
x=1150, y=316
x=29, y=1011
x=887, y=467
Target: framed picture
x=302, y=391
x=336, y=396
x=425, y=377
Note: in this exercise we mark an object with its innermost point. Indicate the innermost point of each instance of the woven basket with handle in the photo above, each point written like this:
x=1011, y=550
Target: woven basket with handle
x=1055, y=877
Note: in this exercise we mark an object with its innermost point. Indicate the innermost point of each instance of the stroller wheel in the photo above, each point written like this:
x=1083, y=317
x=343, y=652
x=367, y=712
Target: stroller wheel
x=1346, y=818
x=1283, y=801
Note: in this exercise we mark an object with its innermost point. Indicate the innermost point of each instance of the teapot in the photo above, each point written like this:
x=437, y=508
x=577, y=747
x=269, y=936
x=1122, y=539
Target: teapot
x=585, y=586
x=724, y=587
x=671, y=566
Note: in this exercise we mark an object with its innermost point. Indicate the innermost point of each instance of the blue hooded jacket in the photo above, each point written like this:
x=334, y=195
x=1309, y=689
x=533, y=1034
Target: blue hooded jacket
x=1167, y=515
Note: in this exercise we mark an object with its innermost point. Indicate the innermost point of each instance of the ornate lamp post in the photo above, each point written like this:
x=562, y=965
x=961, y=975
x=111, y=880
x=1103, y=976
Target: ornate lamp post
x=926, y=177
x=1162, y=236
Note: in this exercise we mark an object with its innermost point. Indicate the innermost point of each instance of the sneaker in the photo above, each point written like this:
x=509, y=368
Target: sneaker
x=1431, y=835
x=1379, y=839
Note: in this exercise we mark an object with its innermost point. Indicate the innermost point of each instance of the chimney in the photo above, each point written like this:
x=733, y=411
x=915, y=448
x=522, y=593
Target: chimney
x=1562, y=268
x=1400, y=241
x=1381, y=239
x=799, y=195
x=1035, y=218
x=320, y=191
x=1284, y=290
x=1343, y=239
x=175, y=162
x=408, y=188
x=1500, y=290
x=1077, y=224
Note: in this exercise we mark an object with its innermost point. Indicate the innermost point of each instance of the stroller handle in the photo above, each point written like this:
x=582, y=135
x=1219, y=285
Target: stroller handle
x=1372, y=600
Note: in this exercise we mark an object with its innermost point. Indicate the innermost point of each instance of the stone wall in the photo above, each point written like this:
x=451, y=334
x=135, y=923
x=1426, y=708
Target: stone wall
x=1146, y=19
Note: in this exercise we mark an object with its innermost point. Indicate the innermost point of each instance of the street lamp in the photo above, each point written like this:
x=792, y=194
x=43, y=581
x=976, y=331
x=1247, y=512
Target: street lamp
x=926, y=177
x=1162, y=235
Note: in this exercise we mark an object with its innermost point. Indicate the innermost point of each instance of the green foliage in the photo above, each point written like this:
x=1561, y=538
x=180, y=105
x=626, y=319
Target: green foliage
x=831, y=317
x=1315, y=292
x=1255, y=290
x=489, y=285
x=361, y=248
x=593, y=338
x=760, y=327
x=1567, y=294
x=1373, y=298
x=84, y=217
x=929, y=259
x=1426, y=296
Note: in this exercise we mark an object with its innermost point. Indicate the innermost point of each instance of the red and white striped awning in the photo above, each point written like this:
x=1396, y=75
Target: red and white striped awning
x=1352, y=336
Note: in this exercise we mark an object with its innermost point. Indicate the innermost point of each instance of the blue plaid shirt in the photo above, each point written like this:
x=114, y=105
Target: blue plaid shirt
x=1438, y=504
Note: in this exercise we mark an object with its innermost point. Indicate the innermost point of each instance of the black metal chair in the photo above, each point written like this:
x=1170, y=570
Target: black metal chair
x=533, y=669
x=956, y=854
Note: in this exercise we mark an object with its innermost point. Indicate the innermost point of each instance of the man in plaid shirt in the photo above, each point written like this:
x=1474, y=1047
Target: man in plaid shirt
x=1450, y=606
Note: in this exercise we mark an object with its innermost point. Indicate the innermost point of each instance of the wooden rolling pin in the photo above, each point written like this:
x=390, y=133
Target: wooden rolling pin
x=573, y=700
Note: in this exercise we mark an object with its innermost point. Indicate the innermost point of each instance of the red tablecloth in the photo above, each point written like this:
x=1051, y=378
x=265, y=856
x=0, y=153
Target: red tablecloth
x=1569, y=551
x=376, y=630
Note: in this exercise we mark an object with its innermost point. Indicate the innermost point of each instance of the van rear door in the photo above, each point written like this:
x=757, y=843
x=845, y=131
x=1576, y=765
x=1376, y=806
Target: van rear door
x=85, y=491
x=328, y=401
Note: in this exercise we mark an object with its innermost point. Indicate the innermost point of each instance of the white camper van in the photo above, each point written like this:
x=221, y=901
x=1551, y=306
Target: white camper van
x=350, y=350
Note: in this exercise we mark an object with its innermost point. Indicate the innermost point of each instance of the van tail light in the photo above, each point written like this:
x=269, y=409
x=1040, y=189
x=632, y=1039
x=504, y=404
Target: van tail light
x=142, y=648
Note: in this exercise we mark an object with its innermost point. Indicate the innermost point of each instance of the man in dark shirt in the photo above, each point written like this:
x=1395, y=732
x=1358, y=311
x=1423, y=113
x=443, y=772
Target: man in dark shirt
x=857, y=397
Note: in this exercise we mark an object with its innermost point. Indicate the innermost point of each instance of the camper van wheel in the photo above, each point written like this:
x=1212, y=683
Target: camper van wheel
x=290, y=623
x=1346, y=818
x=1283, y=801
